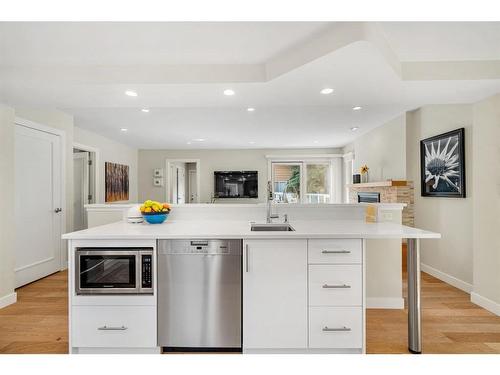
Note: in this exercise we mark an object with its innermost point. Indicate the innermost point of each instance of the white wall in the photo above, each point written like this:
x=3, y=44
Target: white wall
x=7, y=223
x=110, y=151
x=486, y=203
x=210, y=161
x=452, y=217
x=383, y=150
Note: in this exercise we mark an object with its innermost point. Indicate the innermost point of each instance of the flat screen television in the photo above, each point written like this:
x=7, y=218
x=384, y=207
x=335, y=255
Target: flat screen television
x=236, y=184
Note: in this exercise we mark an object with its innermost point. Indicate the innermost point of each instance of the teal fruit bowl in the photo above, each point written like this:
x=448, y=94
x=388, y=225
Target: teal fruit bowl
x=155, y=218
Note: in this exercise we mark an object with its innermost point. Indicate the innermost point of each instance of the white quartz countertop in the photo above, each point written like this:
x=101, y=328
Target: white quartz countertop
x=228, y=229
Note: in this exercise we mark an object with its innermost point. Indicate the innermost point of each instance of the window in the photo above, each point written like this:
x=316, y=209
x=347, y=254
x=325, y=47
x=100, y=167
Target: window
x=302, y=181
x=318, y=183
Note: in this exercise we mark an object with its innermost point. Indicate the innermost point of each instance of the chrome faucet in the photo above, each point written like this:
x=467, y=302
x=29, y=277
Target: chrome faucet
x=270, y=215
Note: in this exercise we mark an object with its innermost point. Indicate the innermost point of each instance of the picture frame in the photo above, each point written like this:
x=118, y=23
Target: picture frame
x=442, y=165
x=116, y=182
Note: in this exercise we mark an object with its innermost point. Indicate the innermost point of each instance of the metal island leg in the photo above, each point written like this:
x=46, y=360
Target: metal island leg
x=414, y=309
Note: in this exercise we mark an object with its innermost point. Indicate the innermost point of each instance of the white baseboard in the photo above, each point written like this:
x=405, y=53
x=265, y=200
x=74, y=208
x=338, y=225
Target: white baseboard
x=7, y=300
x=485, y=303
x=385, y=303
x=453, y=281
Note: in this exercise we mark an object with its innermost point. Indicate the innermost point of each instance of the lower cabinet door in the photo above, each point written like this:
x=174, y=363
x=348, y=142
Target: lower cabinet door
x=335, y=327
x=113, y=326
x=275, y=294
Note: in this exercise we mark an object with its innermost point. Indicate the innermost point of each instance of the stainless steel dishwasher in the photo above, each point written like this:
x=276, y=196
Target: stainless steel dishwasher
x=199, y=295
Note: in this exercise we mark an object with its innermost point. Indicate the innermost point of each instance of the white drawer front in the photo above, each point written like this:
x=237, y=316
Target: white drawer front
x=335, y=327
x=341, y=251
x=335, y=285
x=114, y=326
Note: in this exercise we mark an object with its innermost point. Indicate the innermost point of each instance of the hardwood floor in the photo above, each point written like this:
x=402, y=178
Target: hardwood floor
x=38, y=322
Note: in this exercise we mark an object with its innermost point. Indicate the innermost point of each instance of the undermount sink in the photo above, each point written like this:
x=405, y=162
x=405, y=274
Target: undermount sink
x=271, y=227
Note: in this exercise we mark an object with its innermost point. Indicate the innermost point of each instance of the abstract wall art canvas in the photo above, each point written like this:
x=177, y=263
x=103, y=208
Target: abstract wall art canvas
x=442, y=165
x=117, y=182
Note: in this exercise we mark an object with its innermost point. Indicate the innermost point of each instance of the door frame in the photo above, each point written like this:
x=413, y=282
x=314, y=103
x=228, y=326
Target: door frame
x=85, y=189
x=61, y=133
x=97, y=174
x=168, y=184
x=190, y=192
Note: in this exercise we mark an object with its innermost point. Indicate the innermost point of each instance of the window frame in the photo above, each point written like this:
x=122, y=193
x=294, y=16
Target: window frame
x=303, y=161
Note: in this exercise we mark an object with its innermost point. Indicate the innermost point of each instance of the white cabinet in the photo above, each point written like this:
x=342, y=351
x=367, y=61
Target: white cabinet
x=335, y=327
x=335, y=251
x=335, y=285
x=275, y=294
x=114, y=326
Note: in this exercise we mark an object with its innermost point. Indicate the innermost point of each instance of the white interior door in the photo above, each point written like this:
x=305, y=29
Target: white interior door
x=37, y=204
x=192, y=183
x=80, y=189
x=181, y=185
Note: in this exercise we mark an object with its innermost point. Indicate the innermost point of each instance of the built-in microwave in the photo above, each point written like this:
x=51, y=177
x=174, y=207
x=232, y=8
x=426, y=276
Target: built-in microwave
x=114, y=271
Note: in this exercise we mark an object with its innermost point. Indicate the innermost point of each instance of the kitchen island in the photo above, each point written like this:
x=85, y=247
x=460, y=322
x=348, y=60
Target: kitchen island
x=303, y=290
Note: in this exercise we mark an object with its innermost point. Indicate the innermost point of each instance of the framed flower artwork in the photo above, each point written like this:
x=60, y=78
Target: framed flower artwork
x=442, y=165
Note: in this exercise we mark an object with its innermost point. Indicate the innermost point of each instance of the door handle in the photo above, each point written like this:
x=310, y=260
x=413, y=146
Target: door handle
x=57, y=210
x=336, y=252
x=340, y=286
x=106, y=328
x=341, y=329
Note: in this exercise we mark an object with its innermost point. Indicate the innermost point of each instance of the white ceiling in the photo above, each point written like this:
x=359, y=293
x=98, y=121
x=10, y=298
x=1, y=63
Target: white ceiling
x=80, y=43
x=290, y=111
x=444, y=41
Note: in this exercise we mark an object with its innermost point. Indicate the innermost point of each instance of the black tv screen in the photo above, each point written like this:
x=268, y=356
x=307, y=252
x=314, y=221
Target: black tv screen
x=236, y=184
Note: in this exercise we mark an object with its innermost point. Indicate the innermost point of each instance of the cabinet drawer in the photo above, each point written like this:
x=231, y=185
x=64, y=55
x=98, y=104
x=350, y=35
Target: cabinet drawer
x=335, y=327
x=342, y=251
x=335, y=285
x=114, y=326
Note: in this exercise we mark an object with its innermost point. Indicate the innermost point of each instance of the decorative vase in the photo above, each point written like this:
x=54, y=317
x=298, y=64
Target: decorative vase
x=364, y=177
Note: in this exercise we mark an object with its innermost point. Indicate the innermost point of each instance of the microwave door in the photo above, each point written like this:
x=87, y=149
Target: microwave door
x=108, y=273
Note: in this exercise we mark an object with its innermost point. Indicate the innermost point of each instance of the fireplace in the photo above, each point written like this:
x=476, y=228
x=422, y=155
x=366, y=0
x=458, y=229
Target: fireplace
x=368, y=197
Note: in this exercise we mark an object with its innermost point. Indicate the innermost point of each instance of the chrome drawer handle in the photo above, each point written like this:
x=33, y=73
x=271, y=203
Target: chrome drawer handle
x=106, y=328
x=342, y=286
x=342, y=329
x=336, y=252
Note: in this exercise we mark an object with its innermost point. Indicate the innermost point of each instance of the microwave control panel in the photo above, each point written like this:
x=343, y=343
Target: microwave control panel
x=147, y=271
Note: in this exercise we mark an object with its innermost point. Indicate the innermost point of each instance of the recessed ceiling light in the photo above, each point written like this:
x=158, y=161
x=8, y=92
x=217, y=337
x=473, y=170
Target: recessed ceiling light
x=357, y=108
x=130, y=93
x=250, y=109
x=251, y=142
x=229, y=92
x=123, y=129
x=326, y=91
x=188, y=143
x=354, y=128
x=316, y=141
x=145, y=110
x=199, y=139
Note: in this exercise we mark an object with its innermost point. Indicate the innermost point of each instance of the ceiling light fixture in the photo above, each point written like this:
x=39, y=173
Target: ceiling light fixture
x=250, y=109
x=130, y=93
x=354, y=128
x=123, y=130
x=229, y=92
x=145, y=110
x=251, y=142
x=316, y=141
x=357, y=108
x=199, y=139
x=326, y=91
x=188, y=143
